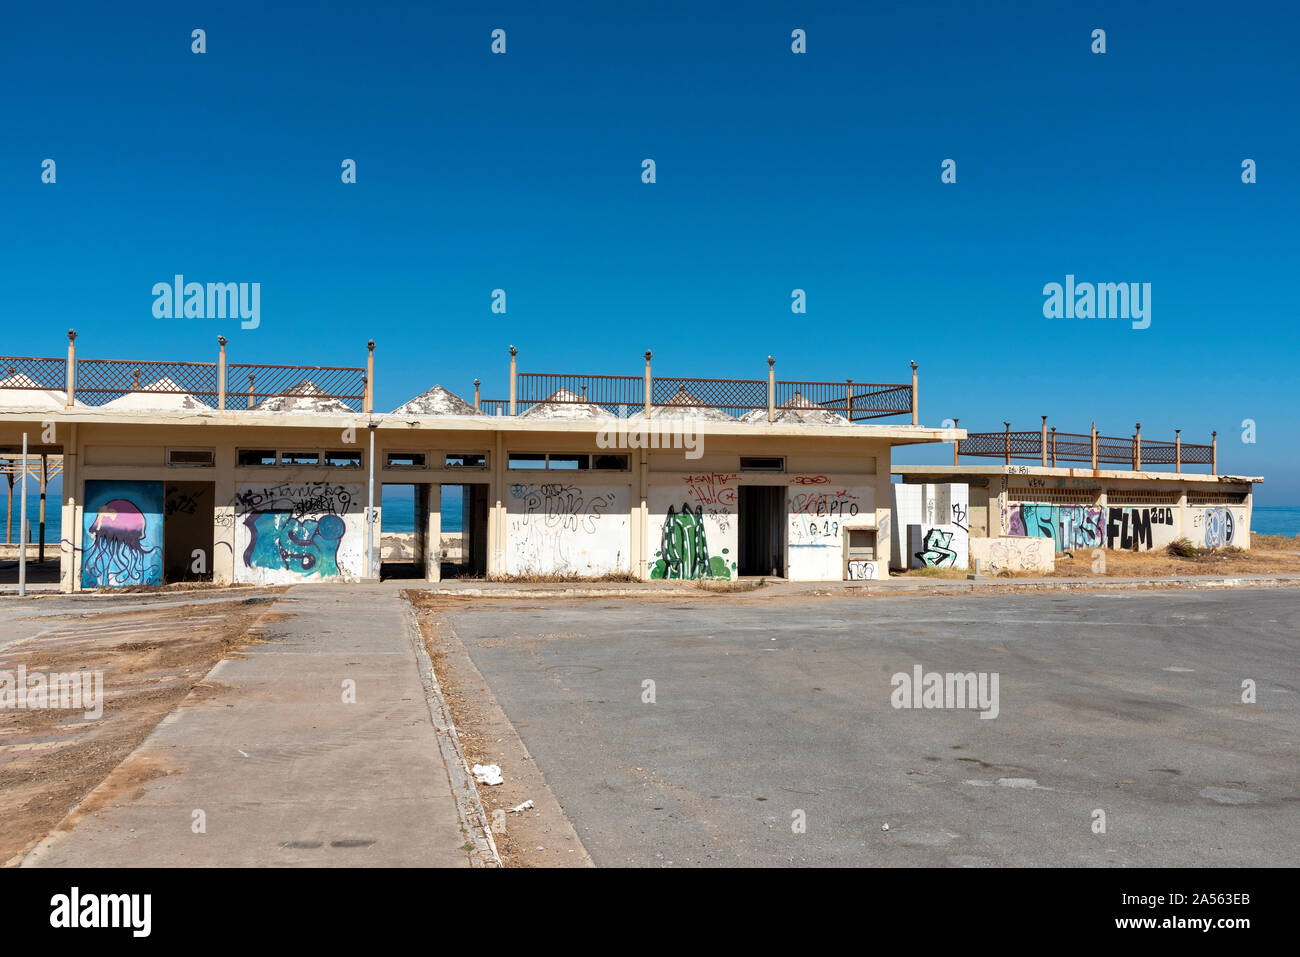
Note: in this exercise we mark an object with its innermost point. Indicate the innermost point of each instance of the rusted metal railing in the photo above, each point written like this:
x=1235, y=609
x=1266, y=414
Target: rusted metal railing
x=1133, y=451
x=95, y=382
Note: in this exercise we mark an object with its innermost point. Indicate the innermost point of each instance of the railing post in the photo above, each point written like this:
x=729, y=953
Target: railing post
x=476, y=408
x=955, y=443
x=848, y=399
x=72, y=366
x=1008, y=440
x=368, y=403
x=916, y=413
x=1137, y=447
x=513, y=371
x=1178, y=450
x=250, y=389
x=1053, y=446
x=221, y=373
x=1094, y=446
x=771, y=390
x=647, y=383
x=1042, y=442
x=1214, y=452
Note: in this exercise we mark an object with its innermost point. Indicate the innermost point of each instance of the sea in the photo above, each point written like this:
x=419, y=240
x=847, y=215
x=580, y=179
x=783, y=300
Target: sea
x=399, y=514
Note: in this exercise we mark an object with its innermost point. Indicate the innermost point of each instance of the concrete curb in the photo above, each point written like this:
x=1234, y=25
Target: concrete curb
x=472, y=816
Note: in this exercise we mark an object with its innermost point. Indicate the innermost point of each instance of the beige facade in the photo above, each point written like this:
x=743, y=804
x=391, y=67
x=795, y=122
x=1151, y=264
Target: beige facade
x=1099, y=508
x=288, y=494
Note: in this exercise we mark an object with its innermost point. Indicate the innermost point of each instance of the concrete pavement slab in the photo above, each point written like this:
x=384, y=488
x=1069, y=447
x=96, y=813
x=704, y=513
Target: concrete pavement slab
x=284, y=770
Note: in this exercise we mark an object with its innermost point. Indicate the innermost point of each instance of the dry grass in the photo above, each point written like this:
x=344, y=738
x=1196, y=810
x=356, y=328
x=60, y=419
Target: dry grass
x=1162, y=563
x=1274, y=543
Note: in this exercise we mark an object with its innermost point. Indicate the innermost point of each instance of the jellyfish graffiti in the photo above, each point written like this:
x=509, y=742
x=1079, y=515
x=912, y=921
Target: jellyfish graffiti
x=118, y=552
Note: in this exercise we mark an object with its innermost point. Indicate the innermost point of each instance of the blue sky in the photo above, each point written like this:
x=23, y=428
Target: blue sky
x=775, y=171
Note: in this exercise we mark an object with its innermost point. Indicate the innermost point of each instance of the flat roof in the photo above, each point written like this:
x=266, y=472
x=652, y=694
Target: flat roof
x=1049, y=472
x=389, y=422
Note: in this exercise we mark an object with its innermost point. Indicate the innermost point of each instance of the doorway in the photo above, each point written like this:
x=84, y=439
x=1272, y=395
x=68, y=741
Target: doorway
x=403, y=530
x=464, y=531
x=762, y=531
x=188, y=509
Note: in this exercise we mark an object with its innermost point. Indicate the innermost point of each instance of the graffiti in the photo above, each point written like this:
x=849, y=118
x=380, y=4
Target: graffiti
x=819, y=514
x=862, y=571
x=1015, y=556
x=1070, y=526
x=567, y=529
x=295, y=527
x=810, y=480
x=1218, y=527
x=118, y=553
x=712, y=488
x=181, y=503
x=684, y=550
x=936, y=553
x=1131, y=528
x=960, y=514
x=563, y=507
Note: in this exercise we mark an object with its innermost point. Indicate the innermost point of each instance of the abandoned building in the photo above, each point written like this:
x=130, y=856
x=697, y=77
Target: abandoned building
x=266, y=474
x=1017, y=515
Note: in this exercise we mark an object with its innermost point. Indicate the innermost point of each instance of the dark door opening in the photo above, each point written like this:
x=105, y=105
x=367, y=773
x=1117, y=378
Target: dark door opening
x=403, y=531
x=188, y=510
x=762, y=530
x=464, y=531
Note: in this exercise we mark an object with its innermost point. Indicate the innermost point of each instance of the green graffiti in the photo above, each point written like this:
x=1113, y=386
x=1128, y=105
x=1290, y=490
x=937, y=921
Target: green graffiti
x=684, y=550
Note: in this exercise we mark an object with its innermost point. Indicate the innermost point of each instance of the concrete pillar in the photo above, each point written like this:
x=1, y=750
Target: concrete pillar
x=848, y=399
x=884, y=508
x=1053, y=446
x=513, y=372
x=1007, y=441
x=476, y=398
x=69, y=554
x=72, y=367
x=955, y=443
x=1214, y=452
x=771, y=389
x=1094, y=446
x=643, y=514
x=251, y=376
x=1137, y=447
x=221, y=373
x=648, y=382
x=433, y=533
x=223, y=515
x=916, y=412
x=1042, y=442
x=9, y=505
x=1178, y=450
x=369, y=400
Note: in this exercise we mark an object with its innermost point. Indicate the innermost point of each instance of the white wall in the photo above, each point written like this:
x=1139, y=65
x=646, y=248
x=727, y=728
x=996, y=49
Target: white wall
x=818, y=514
x=944, y=507
x=558, y=528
